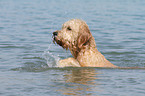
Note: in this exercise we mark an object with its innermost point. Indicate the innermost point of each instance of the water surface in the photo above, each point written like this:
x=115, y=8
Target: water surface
x=28, y=56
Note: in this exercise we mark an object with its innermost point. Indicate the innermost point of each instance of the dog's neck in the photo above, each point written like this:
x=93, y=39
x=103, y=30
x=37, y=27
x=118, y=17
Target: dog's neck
x=75, y=50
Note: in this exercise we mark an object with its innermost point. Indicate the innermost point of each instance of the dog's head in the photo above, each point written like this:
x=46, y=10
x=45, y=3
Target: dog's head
x=75, y=35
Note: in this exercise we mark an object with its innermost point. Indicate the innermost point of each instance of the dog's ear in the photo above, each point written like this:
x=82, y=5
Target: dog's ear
x=84, y=37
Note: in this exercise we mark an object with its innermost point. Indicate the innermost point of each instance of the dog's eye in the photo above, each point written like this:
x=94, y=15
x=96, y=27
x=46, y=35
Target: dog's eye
x=68, y=28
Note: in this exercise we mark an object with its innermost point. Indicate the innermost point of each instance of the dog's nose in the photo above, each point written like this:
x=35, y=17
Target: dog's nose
x=55, y=33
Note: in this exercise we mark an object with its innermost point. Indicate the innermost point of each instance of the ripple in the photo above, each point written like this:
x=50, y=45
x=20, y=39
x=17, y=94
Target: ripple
x=120, y=53
x=12, y=46
x=1, y=28
x=32, y=64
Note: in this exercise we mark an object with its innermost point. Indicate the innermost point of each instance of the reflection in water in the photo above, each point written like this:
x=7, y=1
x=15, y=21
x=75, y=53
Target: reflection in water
x=80, y=82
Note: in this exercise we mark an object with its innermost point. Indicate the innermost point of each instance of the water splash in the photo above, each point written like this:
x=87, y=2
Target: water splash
x=52, y=60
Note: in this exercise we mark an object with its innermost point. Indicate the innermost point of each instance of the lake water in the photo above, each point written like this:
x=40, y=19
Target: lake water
x=28, y=57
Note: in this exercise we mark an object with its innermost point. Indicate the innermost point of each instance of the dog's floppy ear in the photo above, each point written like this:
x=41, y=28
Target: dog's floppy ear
x=84, y=37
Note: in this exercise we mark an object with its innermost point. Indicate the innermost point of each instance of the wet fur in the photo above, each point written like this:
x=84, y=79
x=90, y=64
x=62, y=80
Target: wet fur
x=76, y=36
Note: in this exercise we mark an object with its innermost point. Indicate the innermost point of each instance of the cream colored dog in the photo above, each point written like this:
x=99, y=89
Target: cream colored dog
x=76, y=36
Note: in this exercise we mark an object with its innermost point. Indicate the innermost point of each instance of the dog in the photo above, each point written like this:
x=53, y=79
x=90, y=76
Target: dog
x=76, y=36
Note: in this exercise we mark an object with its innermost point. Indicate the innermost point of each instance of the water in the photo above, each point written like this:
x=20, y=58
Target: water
x=28, y=57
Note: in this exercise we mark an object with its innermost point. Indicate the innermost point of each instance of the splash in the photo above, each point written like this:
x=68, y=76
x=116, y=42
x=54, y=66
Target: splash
x=52, y=60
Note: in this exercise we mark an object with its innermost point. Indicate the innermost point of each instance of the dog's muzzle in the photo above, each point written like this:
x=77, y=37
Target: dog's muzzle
x=58, y=41
x=54, y=36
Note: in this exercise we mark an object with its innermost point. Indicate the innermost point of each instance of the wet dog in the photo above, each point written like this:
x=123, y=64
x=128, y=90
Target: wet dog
x=76, y=36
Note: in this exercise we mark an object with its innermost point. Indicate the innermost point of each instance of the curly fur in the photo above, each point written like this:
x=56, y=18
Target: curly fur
x=76, y=36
